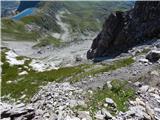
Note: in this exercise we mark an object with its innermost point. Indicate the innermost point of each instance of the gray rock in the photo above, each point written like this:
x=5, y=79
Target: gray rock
x=99, y=116
x=144, y=88
x=109, y=101
x=150, y=111
x=107, y=114
x=138, y=84
x=84, y=115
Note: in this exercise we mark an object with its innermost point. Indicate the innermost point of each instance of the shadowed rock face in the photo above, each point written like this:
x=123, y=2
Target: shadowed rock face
x=123, y=30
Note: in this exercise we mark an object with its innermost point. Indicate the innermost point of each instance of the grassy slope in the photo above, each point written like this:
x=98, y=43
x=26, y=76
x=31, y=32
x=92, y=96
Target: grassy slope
x=30, y=83
x=16, y=30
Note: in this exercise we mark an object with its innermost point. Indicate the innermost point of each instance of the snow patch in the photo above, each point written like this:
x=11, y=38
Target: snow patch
x=11, y=58
x=41, y=66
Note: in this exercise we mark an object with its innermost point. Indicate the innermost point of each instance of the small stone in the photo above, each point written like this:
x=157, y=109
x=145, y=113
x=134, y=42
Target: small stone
x=8, y=82
x=140, y=102
x=157, y=110
x=109, y=101
x=138, y=84
x=146, y=116
x=109, y=84
x=99, y=116
x=78, y=58
x=143, y=60
x=150, y=111
x=144, y=89
x=23, y=73
x=105, y=105
x=84, y=114
x=106, y=113
x=154, y=72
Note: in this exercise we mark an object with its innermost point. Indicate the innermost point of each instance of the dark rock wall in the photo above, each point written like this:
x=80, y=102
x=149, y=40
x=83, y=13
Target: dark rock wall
x=123, y=30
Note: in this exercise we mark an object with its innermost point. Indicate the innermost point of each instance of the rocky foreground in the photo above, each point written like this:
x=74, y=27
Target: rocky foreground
x=56, y=102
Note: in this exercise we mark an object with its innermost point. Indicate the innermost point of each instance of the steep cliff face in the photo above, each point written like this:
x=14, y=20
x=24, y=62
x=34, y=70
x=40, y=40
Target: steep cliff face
x=123, y=30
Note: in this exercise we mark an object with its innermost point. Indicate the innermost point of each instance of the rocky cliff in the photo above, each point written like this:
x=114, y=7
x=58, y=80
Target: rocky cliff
x=123, y=30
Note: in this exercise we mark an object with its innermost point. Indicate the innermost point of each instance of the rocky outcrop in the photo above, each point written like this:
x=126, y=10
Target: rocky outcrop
x=153, y=56
x=123, y=30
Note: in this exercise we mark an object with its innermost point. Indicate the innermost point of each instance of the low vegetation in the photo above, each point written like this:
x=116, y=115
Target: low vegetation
x=121, y=92
x=16, y=31
x=17, y=85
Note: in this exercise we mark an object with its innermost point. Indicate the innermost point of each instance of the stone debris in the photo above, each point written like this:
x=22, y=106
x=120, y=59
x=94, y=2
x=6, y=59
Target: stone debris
x=145, y=106
x=56, y=101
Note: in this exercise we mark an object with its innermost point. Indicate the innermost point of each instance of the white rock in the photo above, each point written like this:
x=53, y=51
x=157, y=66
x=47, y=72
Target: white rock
x=109, y=84
x=144, y=88
x=150, y=111
x=154, y=72
x=8, y=82
x=109, y=101
x=143, y=60
x=23, y=73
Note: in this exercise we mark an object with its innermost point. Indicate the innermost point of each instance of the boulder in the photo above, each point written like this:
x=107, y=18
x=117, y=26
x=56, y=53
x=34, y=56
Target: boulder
x=153, y=56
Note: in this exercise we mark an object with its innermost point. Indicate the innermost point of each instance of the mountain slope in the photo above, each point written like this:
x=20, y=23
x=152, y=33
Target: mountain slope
x=80, y=17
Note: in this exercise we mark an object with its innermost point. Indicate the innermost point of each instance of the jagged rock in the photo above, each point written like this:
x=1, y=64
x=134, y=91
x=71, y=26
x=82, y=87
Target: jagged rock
x=123, y=30
x=153, y=56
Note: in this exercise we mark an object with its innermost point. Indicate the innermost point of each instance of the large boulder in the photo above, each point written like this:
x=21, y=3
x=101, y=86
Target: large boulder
x=153, y=56
x=123, y=30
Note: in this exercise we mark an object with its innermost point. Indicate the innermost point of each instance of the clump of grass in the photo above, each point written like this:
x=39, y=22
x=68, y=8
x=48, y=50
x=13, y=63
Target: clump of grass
x=20, y=57
x=120, y=92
